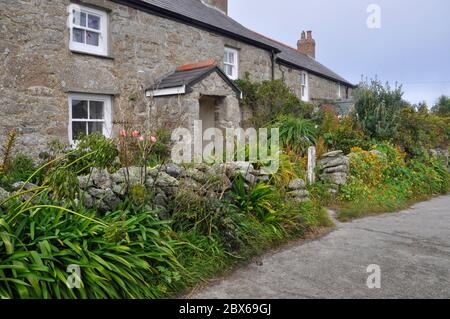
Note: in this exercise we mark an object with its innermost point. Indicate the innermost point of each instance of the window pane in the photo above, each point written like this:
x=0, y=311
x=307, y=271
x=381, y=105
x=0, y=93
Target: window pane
x=78, y=35
x=94, y=22
x=78, y=130
x=96, y=109
x=79, y=18
x=95, y=127
x=229, y=70
x=92, y=38
x=79, y=109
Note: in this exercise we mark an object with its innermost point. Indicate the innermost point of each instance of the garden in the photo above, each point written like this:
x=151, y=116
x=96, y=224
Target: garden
x=138, y=226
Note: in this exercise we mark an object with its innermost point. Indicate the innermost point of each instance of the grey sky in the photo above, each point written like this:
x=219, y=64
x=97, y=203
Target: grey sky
x=412, y=46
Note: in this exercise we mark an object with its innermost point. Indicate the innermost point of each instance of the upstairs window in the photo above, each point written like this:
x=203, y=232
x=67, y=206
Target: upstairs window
x=231, y=63
x=304, y=86
x=88, y=30
x=89, y=114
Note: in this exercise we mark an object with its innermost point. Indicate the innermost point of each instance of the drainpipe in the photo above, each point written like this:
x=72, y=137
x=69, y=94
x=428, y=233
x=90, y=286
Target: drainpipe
x=273, y=65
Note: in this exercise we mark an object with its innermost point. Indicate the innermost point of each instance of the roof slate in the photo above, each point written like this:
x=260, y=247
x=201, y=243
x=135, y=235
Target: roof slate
x=195, y=10
x=189, y=75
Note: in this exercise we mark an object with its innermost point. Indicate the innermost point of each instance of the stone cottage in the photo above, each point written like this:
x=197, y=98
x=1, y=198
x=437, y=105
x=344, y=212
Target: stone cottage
x=70, y=67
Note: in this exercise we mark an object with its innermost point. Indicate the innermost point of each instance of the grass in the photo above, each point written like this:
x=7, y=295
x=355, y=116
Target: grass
x=348, y=211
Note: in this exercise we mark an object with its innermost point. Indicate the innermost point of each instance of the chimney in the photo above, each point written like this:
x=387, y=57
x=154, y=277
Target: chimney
x=307, y=45
x=221, y=5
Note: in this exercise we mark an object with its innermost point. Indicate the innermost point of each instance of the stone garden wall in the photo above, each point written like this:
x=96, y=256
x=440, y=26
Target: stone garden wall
x=334, y=169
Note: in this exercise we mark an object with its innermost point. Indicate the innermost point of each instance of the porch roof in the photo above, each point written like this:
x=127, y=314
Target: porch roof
x=184, y=77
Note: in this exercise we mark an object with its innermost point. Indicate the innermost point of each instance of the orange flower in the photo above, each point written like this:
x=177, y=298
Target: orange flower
x=135, y=134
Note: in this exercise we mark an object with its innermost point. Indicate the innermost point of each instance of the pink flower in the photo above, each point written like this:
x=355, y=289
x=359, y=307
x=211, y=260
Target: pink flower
x=135, y=134
x=123, y=133
x=141, y=138
x=153, y=139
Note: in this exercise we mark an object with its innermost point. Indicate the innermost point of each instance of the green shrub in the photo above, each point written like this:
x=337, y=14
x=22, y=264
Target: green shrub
x=268, y=100
x=378, y=108
x=296, y=134
x=124, y=256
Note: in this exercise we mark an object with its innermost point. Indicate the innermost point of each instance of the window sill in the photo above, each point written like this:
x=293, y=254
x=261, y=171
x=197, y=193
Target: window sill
x=107, y=57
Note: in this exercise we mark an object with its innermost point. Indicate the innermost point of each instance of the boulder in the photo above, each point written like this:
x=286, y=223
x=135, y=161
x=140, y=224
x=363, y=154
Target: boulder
x=101, y=178
x=165, y=180
x=196, y=175
x=336, y=169
x=332, y=162
x=160, y=200
x=88, y=200
x=3, y=195
x=332, y=154
x=173, y=170
x=296, y=184
x=85, y=182
x=335, y=178
x=244, y=167
x=120, y=189
x=299, y=193
x=22, y=185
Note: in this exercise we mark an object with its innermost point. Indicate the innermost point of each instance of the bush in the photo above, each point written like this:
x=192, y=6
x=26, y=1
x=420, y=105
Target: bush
x=296, y=134
x=123, y=256
x=269, y=100
x=377, y=109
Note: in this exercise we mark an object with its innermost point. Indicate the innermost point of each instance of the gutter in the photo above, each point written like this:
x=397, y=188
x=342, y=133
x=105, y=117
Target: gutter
x=150, y=8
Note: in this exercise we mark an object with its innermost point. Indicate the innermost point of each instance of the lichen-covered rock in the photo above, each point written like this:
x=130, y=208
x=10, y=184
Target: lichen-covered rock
x=335, y=178
x=173, y=170
x=165, y=180
x=196, y=175
x=332, y=162
x=101, y=178
x=336, y=169
x=120, y=189
x=301, y=193
x=161, y=200
x=22, y=185
x=85, y=182
x=3, y=195
x=296, y=184
x=332, y=154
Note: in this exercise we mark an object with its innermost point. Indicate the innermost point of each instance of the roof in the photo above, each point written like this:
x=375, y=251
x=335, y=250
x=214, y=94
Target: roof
x=184, y=77
x=195, y=12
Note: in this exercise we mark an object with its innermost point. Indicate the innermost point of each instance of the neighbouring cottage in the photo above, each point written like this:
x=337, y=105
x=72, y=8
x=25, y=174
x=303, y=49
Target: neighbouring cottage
x=69, y=67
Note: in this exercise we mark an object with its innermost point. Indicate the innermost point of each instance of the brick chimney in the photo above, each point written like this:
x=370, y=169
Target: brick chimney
x=307, y=45
x=221, y=5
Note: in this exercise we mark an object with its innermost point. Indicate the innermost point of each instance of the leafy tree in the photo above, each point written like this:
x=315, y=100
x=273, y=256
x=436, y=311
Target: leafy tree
x=377, y=109
x=442, y=107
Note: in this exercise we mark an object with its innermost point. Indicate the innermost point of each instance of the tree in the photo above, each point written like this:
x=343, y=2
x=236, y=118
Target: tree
x=378, y=108
x=442, y=107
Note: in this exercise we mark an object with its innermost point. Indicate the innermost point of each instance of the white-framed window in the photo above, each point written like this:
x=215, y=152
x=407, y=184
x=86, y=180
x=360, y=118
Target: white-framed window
x=88, y=30
x=231, y=63
x=89, y=114
x=304, y=86
x=339, y=93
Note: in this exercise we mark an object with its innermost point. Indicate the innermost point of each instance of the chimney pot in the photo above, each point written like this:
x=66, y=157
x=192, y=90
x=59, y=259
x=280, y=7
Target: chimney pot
x=307, y=45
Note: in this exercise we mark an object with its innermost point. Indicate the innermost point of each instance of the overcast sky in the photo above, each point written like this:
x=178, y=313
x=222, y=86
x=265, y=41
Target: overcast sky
x=411, y=47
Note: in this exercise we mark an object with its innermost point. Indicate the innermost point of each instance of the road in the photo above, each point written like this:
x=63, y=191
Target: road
x=411, y=248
